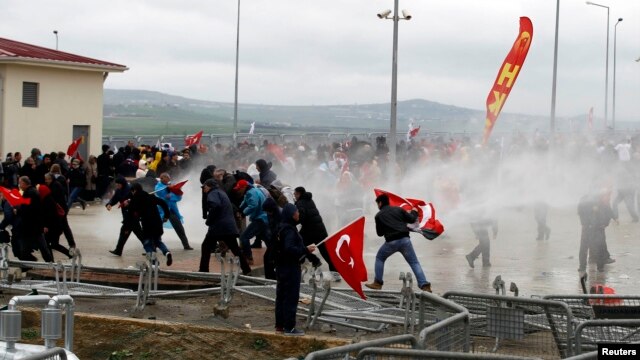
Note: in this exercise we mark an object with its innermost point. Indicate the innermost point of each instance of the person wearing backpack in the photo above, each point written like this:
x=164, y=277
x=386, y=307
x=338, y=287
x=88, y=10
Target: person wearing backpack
x=251, y=207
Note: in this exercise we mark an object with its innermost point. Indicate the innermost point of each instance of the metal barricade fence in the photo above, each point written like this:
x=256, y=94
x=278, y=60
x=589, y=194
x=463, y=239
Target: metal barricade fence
x=350, y=351
x=591, y=332
x=410, y=354
x=49, y=354
x=516, y=325
x=600, y=306
x=586, y=356
x=448, y=324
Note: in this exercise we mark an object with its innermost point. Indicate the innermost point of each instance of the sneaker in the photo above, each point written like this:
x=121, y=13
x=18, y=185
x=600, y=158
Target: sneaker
x=83, y=204
x=374, y=285
x=470, y=261
x=487, y=265
x=426, y=287
x=609, y=261
x=336, y=276
x=169, y=259
x=188, y=248
x=72, y=252
x=293, y=332
x=116, y=253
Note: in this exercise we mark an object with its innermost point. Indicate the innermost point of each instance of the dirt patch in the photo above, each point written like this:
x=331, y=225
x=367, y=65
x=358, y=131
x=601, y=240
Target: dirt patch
x=184, y=329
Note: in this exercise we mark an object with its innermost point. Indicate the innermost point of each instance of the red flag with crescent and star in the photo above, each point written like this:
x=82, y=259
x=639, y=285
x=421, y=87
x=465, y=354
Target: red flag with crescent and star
x=427, y=224
x=507, y=75
x=193, y=139
x=345, y=248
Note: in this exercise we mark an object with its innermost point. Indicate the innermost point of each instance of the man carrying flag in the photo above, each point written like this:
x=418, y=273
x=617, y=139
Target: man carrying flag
x=391, y=222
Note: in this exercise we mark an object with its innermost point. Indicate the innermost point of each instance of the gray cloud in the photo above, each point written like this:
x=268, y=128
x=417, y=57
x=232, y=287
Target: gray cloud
x=338, y=52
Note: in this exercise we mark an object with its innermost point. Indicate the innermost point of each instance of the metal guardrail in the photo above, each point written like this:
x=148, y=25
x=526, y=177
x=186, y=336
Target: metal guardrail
x=601, y=306
x=346, y=351
x=518, y=326
x=411, y=354
x=591, y=332
x=586, y=356
x=49, y=354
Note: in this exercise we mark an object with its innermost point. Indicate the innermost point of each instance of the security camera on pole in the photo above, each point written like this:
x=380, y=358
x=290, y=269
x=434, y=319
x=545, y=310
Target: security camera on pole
x=394, y=76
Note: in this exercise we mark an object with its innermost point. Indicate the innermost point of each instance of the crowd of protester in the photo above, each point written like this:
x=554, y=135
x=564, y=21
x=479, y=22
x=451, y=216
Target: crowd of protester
x=247, y=185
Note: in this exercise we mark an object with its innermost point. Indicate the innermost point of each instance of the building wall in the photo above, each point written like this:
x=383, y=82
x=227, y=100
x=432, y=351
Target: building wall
x=66, y=98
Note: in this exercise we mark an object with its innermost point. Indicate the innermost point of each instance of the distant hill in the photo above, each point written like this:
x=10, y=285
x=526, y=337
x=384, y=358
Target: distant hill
x=150, y=112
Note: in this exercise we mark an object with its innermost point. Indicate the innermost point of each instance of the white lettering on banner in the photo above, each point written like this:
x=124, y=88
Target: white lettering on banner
x=344, y=238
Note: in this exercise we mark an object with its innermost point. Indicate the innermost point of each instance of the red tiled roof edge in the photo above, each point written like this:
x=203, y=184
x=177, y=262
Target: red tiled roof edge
x=15, y=49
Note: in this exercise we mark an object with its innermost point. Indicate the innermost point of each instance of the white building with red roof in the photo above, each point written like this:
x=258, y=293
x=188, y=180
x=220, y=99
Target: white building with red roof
x=48, y=98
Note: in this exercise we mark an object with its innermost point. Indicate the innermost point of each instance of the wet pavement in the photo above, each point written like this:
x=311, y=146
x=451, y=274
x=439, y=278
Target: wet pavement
x=537, y=267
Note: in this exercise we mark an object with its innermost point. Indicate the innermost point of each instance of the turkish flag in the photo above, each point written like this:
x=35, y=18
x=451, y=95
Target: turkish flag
x=14, y=197
x=193, y=139
x=414, y=132
x=427, y=224
x=177, y=188
x=345, y=248
x=73, y=148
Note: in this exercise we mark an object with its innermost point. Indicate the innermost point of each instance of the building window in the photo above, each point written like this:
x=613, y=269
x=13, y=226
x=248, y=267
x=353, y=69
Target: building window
x=30, y=94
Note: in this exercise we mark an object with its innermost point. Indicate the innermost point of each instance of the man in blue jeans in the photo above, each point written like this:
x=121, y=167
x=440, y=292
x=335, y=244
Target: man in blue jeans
x=391, y=222
x=251, y=206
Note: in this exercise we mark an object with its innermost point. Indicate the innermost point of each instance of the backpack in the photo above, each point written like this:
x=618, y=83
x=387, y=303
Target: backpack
x=278, y=196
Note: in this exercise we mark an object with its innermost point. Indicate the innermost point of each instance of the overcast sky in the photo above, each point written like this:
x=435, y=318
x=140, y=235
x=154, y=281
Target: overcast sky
x=300, y=52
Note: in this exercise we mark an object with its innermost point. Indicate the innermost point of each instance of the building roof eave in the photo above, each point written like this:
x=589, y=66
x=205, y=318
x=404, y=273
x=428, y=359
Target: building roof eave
x=70, y=65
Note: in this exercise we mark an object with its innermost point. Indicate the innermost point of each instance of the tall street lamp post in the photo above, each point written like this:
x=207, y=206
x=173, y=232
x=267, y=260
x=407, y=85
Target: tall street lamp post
x=606, y=76
x=235, y=101
x=55, y=32
x=394, y=76
x=615, y=34
x=552, y=125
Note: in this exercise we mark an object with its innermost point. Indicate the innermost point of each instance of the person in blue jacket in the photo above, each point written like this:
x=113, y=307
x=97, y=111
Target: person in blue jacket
x=251, y=207
x=163, y=191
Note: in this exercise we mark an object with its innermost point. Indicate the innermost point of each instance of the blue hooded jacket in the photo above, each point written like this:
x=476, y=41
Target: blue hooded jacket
x=251, y=206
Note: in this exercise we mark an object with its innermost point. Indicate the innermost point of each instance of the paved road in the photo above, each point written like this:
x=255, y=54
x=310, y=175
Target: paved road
x=537, y=267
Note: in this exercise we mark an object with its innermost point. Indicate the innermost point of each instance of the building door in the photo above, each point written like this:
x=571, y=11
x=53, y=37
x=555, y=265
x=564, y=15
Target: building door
x=82, y=130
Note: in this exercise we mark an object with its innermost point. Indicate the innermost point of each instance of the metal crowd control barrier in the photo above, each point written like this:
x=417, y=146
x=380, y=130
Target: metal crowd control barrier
x=449, y=324
x=49, y=354
x=518, y=326
x=348, y=351
x=411, y=354
x=228, y=281
x=586, y=356
x=591, y=332
x=601, y=306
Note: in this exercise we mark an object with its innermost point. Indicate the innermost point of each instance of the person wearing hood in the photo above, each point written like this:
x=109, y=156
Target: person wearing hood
x=290, y=249
x=129, y=223
x=312, y=227
x=172, y=197
x=222, y=227
x=267, y=176
x=206, y=174
x=251, y=206
x=142, y=169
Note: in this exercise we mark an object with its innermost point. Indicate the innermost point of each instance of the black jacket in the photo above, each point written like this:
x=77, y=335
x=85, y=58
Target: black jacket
x=30, y=216
x=391, y=222
x=313, y=229
x=144, y=207
x=220, y=217
x=289, y=246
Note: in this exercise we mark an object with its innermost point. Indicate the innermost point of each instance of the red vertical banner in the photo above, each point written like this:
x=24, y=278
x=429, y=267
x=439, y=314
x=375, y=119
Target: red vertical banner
x=507, y=75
